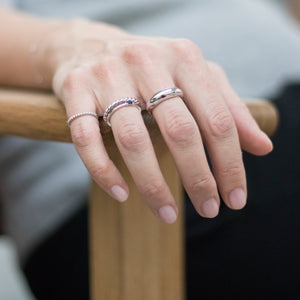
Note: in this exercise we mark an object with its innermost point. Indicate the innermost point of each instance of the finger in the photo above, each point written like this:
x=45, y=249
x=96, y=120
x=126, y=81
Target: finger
x=89, y=145
x=217, y=127
x=183, y=138
x=137, y=151
x=252, y=138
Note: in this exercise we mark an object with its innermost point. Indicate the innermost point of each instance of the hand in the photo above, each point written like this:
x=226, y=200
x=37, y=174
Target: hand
x=93, y=65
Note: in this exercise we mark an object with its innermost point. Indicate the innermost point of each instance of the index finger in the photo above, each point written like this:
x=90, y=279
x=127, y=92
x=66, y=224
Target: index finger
x=88, y=142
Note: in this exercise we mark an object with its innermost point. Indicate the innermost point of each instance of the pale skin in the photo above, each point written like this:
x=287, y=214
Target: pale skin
x=90, y=65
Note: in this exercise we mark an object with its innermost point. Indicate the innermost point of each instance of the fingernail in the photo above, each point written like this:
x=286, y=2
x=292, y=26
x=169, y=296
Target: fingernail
x=119, y=193
x=237, y=199
x=168, y=214
x=210, y=208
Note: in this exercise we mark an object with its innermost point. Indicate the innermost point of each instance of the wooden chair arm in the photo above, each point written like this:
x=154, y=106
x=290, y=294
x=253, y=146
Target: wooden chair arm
x=41, y=115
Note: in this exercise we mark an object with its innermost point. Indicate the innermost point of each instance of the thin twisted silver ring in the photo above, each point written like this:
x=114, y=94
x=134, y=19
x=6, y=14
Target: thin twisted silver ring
x=119, y=104
x=85, y=113
x=162, y=96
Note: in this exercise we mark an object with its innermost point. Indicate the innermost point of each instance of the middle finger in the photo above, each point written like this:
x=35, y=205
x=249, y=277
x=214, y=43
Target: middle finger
x=134, y=143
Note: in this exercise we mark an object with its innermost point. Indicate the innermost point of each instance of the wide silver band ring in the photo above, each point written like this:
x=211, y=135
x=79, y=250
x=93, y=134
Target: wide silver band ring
x=161, y=96
x=85, y=113
x=119, y=104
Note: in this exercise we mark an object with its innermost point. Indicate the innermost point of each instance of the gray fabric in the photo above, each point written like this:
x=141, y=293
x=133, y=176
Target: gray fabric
x=12, y=282
x=254, y=41
x=42, y=183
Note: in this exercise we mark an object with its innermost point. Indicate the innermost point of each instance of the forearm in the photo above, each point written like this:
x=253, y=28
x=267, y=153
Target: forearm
x=20, y=35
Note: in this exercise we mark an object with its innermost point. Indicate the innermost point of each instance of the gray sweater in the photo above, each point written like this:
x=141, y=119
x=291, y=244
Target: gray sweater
x=255, y=41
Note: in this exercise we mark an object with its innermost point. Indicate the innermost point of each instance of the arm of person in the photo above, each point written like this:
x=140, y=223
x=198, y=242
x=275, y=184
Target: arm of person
x=19, y=35
x=89, y=65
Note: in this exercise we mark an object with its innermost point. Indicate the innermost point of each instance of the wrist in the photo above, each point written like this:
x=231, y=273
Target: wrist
x=69, y=40
x=42, y=54
x=19, y=49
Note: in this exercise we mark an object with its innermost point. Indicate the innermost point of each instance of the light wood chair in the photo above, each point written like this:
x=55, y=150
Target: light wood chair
x=133, y=255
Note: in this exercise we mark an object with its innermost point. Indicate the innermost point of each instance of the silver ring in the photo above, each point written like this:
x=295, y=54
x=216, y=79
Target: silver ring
x=119, y=104
x=161, y=96
x=85, y=113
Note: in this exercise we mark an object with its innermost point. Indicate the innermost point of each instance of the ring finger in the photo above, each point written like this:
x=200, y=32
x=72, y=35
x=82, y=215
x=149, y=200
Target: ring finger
x=183, y=138
x=89, y=145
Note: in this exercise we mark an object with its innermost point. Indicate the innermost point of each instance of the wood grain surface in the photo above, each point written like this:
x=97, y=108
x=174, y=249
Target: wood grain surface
x=134, y=255
x=40, y=115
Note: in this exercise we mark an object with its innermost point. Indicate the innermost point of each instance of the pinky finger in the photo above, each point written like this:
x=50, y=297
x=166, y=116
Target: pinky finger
x=89, y=145
x=252, y=138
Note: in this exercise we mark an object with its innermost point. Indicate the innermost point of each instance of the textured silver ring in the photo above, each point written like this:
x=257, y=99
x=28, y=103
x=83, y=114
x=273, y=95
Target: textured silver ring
x=85, y=113
x=161, y=96
x=119, y=104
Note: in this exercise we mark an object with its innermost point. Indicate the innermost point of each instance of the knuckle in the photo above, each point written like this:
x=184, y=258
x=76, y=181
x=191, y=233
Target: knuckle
x=186, y=50
x=201, y=183
x=180, y=129
x=234, y=171
x=82, y=136
x=132, y=137
x=74, y=79
x=154, y=189
x=220, y=123
x=99, y=170
x=139, y=54
x=106, y=69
